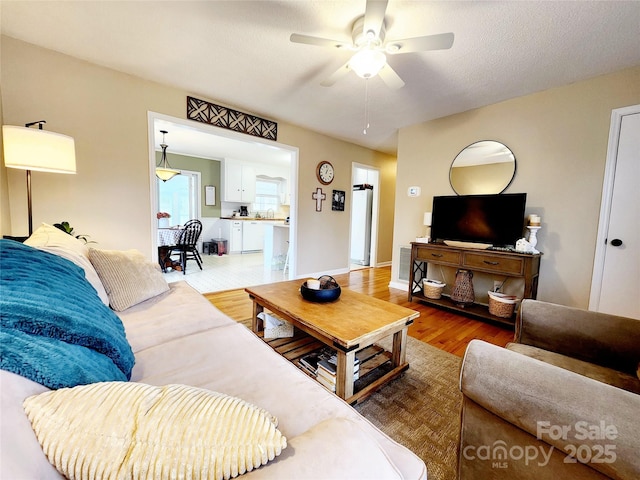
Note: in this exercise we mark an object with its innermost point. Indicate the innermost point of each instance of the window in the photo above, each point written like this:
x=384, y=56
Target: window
x=267, y=195
x=180, y=197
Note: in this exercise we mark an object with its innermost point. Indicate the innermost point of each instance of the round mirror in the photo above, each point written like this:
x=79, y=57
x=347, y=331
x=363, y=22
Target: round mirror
x=482, y=168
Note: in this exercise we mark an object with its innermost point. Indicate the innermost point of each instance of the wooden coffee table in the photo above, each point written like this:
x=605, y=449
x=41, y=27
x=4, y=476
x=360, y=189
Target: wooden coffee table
x=348, y=325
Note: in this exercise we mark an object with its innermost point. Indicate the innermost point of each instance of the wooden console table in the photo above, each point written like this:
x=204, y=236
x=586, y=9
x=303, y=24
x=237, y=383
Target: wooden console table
x=496, y=262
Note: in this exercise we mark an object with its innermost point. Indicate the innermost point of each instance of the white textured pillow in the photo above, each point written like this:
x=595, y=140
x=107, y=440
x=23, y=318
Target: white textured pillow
x=132, y=430
x=128, y=277
x=55, y=241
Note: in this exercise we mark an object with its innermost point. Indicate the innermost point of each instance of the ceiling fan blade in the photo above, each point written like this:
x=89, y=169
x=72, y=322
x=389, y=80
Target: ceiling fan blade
x=441, y=41
x=374, y=16
x=337, y=75
x=390, y=77
x=320, y=42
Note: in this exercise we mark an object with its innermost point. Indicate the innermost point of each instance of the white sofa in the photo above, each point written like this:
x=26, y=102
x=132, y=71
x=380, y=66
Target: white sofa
x=178, y=337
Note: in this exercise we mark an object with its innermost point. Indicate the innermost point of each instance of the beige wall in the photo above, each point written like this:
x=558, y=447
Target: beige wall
x=559, y=138
x=109, y=198
x=5, y=217
x=329, y=230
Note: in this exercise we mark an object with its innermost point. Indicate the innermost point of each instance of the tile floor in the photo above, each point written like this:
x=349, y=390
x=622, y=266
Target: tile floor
x=226, y=272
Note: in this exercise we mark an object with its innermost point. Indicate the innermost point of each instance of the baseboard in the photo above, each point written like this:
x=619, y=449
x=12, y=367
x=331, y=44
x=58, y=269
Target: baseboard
x=400, y=285
x=319, y=274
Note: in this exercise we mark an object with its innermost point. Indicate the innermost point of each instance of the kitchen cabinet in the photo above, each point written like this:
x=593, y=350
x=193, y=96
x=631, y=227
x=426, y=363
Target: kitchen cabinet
x=252, y=236
x=239, y=182
x=235, y=236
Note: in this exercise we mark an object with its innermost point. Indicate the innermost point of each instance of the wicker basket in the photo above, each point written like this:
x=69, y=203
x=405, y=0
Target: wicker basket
x=501, y=306
x=432, y=288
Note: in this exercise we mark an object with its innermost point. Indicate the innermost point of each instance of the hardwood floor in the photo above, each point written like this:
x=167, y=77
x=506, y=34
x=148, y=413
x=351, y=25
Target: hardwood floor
x=444, y=330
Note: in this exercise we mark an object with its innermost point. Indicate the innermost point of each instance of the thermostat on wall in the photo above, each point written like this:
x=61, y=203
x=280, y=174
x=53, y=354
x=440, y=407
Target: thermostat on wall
x=413, y=191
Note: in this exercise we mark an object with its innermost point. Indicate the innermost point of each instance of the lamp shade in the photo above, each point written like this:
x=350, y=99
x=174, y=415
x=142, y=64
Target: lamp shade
x=38, y=150
x=165, y=174
x=427, y=219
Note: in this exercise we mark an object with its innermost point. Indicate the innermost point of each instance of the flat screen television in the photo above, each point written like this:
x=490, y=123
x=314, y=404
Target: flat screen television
x=497, y=220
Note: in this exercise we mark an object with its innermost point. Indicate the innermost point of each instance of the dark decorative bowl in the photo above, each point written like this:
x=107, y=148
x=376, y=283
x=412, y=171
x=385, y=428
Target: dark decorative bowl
x=329, y=290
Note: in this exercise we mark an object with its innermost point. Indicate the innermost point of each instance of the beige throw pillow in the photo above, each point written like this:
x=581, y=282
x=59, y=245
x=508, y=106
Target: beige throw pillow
x=53, y=240
x=132, y=430
x=128, y=277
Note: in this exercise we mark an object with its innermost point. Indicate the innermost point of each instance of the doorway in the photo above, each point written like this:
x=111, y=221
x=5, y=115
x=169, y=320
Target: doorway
x=195, y=139
x=365, y=196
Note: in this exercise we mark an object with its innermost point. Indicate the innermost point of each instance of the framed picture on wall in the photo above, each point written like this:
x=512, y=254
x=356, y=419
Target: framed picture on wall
x=337, y=200
x=209, y=195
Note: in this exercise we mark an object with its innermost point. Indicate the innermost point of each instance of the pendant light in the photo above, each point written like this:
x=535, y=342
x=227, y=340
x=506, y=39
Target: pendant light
x=164, y=171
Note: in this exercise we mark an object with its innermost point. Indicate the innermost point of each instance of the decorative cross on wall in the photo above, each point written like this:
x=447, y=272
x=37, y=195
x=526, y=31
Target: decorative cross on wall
x=319, y=197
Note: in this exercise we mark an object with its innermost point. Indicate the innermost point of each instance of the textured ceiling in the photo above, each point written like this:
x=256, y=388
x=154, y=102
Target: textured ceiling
x=238, y=53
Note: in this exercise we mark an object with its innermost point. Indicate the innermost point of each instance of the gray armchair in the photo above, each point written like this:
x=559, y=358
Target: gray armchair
x=561, y=401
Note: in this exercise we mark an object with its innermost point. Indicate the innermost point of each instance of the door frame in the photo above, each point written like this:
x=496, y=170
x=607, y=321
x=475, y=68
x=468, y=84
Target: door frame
x=375, y=210
x=605, y=207
x=240, y=137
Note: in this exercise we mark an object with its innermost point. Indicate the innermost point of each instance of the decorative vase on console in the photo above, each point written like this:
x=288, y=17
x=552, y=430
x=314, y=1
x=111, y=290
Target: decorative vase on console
x=463, y=293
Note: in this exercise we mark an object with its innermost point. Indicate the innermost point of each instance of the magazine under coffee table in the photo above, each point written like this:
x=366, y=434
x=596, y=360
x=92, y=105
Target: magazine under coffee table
x=349, y=325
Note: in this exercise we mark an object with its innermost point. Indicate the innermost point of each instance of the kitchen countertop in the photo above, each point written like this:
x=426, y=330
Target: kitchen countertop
x=253, y=219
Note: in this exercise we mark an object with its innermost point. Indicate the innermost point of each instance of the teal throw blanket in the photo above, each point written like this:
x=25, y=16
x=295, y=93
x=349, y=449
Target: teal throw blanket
x=54, y=328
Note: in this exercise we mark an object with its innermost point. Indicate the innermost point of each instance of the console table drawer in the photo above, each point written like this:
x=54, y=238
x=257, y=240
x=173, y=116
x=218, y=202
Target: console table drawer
x=438, y=255
x=498, y=264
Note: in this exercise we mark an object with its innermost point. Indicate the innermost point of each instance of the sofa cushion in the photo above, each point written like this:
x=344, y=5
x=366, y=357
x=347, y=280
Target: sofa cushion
x=602, y=374
x=232, y=359
x=178, y=313
x=128, y=277
x=356, y=456
x=112, y=429
x=53, y=240
x=21, y=456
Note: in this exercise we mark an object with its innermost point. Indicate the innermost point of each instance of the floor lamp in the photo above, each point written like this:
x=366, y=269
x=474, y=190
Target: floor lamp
x=37, y=149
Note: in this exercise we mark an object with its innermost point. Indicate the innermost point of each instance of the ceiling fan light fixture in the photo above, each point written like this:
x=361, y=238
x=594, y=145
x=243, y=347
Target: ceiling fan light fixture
x=367, y=63
x=393, y=48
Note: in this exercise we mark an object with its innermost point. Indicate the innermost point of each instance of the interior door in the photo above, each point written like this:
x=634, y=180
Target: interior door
x=618, y=250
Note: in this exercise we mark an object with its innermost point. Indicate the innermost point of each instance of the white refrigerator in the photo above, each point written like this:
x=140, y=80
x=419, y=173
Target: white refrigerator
x=361, y=224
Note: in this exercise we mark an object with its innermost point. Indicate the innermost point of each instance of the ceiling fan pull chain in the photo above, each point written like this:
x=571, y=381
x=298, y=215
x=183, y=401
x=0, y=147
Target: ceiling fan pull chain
x=366, y=106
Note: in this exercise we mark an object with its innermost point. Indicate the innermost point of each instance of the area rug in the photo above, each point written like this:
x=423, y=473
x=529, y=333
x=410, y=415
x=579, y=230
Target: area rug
x=421, y=409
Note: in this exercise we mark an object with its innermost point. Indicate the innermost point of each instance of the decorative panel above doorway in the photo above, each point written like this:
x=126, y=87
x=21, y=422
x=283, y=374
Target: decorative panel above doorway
x=219, y=116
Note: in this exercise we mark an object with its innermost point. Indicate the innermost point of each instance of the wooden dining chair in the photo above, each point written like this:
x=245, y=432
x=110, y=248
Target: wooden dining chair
x=187, y=246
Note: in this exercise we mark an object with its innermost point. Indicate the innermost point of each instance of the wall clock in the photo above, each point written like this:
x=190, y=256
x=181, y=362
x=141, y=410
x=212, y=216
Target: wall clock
x=325, y=173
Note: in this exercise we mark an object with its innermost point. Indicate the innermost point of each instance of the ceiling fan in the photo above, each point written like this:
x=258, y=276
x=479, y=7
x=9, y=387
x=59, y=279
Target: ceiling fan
x=371, y=50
